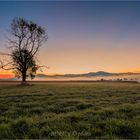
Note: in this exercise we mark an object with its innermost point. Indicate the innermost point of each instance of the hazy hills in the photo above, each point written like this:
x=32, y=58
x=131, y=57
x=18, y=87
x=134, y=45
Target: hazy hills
x=90, y=74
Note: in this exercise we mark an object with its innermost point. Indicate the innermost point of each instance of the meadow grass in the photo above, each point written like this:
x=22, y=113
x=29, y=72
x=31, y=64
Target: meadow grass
x=70, y=111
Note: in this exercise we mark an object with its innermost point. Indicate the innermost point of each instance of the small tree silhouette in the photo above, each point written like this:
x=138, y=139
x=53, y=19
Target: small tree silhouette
x=26, y=39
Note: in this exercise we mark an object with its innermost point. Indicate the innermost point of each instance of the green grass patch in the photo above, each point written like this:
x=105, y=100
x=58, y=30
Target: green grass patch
x=70, y=111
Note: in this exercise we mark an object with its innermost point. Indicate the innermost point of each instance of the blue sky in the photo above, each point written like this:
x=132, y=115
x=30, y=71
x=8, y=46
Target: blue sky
x=91, y=18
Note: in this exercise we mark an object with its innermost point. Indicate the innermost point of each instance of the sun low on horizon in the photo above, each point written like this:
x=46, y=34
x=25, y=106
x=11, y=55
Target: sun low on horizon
x=83, y=36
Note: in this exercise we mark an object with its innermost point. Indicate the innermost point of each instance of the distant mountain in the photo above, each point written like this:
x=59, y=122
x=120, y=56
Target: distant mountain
x=99, y=73
x=90, y=74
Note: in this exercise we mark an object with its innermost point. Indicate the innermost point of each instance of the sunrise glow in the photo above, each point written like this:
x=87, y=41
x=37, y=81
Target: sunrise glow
x=83, y=36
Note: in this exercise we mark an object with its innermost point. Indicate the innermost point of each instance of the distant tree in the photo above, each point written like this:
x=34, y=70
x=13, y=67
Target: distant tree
x=102, y=79
x=125, y=79
x=25, y=42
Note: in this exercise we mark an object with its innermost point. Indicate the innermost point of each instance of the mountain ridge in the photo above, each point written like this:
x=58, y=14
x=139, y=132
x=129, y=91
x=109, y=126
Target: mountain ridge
x=89, y=74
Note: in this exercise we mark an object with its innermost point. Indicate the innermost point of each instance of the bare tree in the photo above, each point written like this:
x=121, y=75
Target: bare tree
x=25, y=42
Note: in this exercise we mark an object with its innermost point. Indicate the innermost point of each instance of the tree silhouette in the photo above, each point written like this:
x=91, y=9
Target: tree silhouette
x=25, y=42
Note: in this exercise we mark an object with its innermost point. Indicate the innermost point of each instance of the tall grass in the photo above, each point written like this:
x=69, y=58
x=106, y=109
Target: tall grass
x=70, y=111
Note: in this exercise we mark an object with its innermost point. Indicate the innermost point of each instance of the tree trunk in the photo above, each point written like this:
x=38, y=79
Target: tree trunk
x=23, y=77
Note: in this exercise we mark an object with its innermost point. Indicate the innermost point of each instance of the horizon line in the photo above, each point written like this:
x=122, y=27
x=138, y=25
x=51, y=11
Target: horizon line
x=11, y=75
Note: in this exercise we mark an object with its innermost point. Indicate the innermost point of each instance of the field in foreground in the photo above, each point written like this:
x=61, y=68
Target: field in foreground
x=70, y=110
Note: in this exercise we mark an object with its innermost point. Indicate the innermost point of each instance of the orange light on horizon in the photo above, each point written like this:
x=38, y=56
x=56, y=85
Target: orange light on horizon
x=6, y=75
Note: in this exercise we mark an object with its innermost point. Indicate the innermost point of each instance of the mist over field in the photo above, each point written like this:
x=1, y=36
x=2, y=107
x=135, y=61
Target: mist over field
x=113, y=78
x=108, y=76
x=128, y=77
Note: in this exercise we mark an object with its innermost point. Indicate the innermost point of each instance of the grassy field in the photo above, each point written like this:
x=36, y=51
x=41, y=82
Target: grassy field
x=70, y=111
